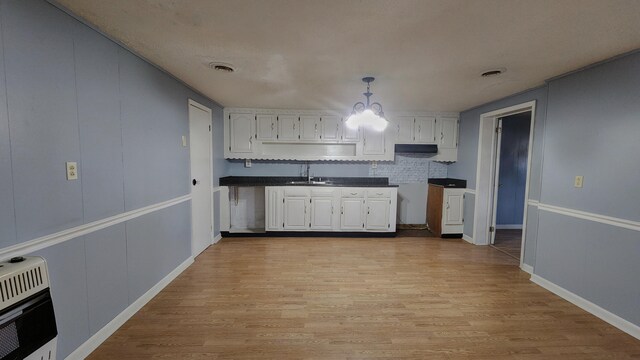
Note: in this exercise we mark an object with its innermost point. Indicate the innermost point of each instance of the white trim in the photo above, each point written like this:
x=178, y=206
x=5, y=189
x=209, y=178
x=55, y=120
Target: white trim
x=533, y=203
x=508, y=226
x=470, y=191
x=68, y=234
x=98, y=338
x=217, y=238
x=467, y=238
x=611, y=318
x=216, y=189
x=526, y=268
x=603, y=219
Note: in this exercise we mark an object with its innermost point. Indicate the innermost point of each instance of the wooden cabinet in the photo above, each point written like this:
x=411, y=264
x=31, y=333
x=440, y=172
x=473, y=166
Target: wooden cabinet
x=241, y=132
x=445, y=210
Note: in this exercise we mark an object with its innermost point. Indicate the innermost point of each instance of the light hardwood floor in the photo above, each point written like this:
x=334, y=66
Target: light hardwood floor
x=352, y=298
x=509, y=241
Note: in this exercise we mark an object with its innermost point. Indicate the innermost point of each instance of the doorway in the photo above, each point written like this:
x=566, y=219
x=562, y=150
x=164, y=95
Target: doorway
x=510, y=176
x=200, y=151
x=487, y=183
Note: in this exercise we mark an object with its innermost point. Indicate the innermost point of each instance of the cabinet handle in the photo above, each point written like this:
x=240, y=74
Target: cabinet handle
x=419, y=128
x=342, y=210
x=271, y=126
x=294, y=126
x=441, y=136
x=331, y=209
x=353, y=193
x=447, y=206
x=398, y=128
x=379, y=193
x=368, y=210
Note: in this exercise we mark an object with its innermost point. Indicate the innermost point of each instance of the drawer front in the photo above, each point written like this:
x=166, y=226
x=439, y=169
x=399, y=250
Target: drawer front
x=378, y=193
x=352, y=193
x=296, y=191
x=324, y=192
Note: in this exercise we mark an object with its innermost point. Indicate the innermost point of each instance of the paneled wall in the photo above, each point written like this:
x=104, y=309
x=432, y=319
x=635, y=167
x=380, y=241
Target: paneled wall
x=580, y=239
x=69, y=94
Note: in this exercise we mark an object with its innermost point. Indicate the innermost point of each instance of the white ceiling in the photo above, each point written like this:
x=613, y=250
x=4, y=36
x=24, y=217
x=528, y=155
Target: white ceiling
x=311, y=54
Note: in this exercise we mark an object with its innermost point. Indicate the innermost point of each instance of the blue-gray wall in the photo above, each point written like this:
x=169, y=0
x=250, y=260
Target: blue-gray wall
x=69, y=94
x=514, y=149
x=587, y=123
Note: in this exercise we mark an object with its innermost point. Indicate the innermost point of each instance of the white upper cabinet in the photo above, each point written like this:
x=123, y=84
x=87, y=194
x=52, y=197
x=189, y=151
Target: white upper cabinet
x=349, y=134
x=310, y=128
x=403, y=128
x=425, y=129
x=266, y=127
x=373, y=142
x=330, y=128
x=448, y=133
x=288, y=128
x=241, y=132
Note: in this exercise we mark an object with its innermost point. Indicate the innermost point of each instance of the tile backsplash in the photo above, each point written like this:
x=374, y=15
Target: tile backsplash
x=409, y=169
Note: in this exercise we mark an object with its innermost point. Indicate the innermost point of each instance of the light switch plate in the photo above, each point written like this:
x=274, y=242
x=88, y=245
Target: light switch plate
x=578, y=181
x=184, y=141
x=247, y=163
x=374, y=164
x=72, y=170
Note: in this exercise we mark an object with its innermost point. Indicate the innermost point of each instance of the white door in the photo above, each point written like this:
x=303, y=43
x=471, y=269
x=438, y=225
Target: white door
x=295, y=213
x=425, y=129
x=310, y=127
x=453, y=207
x=288, y=128
x=378, y=214
x=404, y=129
x=266, y=125
x=330, y=128
x=201, y=186
x=321, y=213
x=241, y=132
x=373, y=143
x=448, y=133
x=351, y=211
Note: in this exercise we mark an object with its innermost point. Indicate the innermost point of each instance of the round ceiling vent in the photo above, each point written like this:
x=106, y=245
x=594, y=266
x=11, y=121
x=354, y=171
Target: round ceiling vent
x=221, y=67
x=493, y=72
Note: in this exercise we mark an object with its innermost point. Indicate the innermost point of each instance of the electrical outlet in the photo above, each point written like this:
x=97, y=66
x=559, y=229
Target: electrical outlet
x=374, y=164
x=578, y=181
x=72, y=170
x=247, y=163
x=184, y=141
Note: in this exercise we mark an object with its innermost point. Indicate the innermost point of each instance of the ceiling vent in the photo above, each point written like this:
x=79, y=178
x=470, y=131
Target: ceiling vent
x=221, y=67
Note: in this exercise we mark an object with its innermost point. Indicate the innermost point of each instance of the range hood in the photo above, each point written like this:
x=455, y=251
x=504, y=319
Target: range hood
x=416, y=148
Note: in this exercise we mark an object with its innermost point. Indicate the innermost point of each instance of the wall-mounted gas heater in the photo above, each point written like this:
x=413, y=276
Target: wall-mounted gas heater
x=27, y=322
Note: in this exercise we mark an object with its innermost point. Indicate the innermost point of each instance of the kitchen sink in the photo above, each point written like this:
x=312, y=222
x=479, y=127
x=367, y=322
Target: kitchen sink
x=312, y=182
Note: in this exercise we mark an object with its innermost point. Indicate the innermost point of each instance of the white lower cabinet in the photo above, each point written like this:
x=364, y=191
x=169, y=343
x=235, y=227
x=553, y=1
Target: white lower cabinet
x=453, y=211
x=324, y=208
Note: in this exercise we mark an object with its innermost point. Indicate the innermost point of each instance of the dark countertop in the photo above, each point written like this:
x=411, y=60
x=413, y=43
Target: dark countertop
x=301, y=181
x=449, y=183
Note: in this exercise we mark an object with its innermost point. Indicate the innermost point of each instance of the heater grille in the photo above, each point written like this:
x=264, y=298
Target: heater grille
x=21, y=280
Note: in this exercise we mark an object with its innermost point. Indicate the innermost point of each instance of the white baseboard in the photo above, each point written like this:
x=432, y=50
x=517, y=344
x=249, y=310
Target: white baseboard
x=98, y=338
x=467, y=238
x=217, y=238
x=611, y=318
x=527, y=268
x=509, y=227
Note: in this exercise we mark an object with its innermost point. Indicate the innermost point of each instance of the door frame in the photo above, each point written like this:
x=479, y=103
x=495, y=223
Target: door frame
x=193, y=103
x=496, y=182
x=485, y=172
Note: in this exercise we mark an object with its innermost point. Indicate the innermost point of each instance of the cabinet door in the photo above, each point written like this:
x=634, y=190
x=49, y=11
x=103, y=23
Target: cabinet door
x=425, y=129
x=274, y=204
x=310, y=128
x=404, y=129
x=378, y=214
x=241, y=132
x=330, y=128
x=453, y=207
x=321, y=213
x=351, y=214
x=288, y=128
x=448, y=133
x=295, y=213
x=349, y=134
x=373, y=143
x=266, y=127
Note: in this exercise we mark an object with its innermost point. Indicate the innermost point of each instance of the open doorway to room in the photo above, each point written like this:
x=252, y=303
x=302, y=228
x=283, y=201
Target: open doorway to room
x=510, y=182
x=487, y=174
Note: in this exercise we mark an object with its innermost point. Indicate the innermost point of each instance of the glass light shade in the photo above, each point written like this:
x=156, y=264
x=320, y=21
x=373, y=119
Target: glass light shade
x=367, y=118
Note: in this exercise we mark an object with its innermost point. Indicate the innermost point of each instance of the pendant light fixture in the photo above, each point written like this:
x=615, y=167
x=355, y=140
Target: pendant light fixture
x=369, y=115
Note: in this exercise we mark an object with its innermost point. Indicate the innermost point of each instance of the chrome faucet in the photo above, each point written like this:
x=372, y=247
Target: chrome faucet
x=309, y=177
